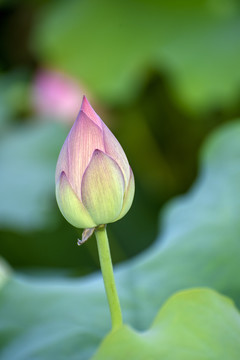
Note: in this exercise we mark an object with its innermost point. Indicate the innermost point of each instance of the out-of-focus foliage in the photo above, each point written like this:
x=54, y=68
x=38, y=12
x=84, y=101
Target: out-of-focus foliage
x=27, y=174
x=5, y=272
x=14, y=91
x=110, y=46
x=199, y=246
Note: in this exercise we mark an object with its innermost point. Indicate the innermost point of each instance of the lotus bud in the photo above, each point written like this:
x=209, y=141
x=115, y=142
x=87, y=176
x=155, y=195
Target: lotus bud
x=94, y=182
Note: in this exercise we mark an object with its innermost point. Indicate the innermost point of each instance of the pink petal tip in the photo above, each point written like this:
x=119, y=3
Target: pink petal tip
x=88, y=110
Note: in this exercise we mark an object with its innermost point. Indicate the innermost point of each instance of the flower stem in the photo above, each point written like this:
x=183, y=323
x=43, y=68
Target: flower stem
x=108, y=276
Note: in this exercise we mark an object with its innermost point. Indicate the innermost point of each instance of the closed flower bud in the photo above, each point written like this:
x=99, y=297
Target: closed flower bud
x=94, y=182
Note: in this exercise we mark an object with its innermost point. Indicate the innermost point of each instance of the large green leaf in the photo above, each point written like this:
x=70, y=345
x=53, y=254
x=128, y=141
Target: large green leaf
x=199, y=246
x=28, y=155
x=110, y=45
x=193, y=324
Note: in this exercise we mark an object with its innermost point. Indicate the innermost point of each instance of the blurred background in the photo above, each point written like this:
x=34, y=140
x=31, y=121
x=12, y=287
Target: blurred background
x=161, y=74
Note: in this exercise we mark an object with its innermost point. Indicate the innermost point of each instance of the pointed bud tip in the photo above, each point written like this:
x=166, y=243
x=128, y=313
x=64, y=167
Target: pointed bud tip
x=85, y=101
x=91, y=114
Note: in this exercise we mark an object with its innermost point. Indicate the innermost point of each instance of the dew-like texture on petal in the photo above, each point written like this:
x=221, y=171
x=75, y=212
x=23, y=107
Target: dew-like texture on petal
x=103, y=188
x=62, y=163
x=115, y=151
x=128, y=196
x=84, y=137
x=71, y=207
x=88, y=110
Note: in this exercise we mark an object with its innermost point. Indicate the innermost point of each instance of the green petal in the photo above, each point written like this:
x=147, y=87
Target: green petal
x=70, y=206
x=128, y=196
x=103, y=188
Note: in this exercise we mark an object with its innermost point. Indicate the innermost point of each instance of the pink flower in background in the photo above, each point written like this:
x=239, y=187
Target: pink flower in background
x=56, y=95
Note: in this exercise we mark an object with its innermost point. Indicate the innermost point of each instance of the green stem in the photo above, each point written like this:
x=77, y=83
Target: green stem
x=108, y=276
